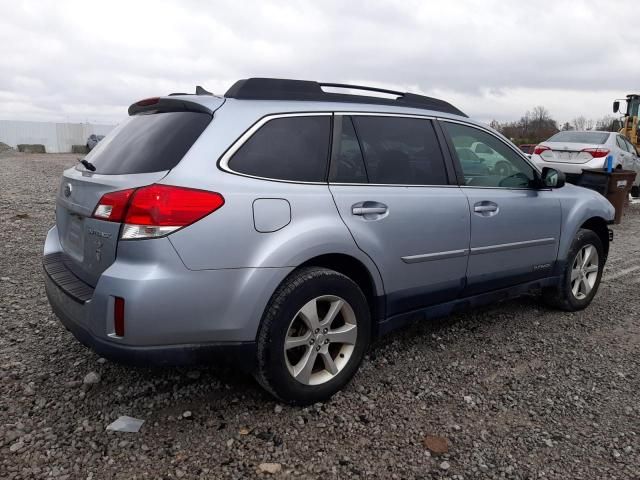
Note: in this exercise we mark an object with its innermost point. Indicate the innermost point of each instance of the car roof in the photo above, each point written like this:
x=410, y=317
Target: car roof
x=301, y=95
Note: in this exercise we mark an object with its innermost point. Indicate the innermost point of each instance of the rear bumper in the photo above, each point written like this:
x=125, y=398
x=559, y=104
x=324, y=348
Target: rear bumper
x=568, y=167
x=70, y=312
x=173, y=315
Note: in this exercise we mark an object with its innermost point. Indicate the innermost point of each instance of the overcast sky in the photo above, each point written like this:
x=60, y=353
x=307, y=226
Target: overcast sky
x=87, y=61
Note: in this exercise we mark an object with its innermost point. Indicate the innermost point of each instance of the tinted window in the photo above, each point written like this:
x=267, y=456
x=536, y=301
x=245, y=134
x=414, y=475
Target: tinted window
x=620, y=142
x=148, y=143
x=291, y=148
x=402, y=151
x=503, y=168
x=597, y=138
x=347, y=165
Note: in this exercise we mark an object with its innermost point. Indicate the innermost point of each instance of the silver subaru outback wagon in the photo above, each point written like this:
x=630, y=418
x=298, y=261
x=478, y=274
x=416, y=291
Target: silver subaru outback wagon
x=286, y=227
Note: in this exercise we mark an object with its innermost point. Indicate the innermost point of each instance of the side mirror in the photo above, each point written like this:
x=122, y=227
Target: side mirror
x=552, y=178
x=616, y=106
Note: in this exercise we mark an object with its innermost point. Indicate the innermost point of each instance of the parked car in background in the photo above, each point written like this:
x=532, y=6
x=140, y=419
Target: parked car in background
x=491, y=159
x=288, y=234
x=93, y=140
x=527, y=148
x=572, y=151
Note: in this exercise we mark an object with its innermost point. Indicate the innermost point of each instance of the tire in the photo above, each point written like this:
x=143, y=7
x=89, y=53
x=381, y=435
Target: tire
x=323, y=290
x=635, y=191
x=563, y=296
x=502, y=168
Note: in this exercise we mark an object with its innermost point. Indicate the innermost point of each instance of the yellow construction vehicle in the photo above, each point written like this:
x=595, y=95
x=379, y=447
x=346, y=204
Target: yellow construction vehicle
x=631, y=123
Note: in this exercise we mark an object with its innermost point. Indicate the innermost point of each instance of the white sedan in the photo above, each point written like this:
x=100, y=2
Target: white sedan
x=572, y=151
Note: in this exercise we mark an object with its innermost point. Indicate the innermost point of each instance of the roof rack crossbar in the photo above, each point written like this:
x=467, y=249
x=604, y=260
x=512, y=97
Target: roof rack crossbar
x=305, y=90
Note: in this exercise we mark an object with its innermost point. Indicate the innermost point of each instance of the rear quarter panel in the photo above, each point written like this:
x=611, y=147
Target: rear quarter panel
x=228, y=238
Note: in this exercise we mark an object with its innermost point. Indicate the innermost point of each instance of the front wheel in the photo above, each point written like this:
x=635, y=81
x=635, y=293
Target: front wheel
x=582, y=274
x=313, y=336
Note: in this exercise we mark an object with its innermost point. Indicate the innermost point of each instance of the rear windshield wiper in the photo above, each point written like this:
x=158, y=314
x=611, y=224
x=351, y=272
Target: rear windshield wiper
x=87, y=164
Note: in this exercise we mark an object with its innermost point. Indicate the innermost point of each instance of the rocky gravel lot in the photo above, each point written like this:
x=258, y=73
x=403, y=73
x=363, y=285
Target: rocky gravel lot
x=513, y=391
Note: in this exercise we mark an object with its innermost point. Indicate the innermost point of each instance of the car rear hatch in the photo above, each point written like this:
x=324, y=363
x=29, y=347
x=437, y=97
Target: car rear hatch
x=574, y=147
x=139, y=152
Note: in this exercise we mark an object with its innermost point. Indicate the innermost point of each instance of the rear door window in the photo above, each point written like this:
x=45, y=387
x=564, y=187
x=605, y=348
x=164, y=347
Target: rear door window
x=347, y=164
x=288, y=148
x=148, y=143
x=400, y=151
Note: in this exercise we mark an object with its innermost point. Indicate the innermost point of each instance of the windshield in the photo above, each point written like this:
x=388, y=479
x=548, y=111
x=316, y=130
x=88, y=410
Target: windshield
x=148, y=143
x=580, y=137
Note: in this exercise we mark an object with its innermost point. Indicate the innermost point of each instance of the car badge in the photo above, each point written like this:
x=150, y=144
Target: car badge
x=67, y=190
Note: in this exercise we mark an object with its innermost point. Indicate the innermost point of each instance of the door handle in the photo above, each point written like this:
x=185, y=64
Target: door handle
x=486, y=208
x=369, y=208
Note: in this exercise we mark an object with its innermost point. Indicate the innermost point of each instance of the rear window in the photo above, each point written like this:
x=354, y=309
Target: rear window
x=290, y=148
x=148, y=143
x=597, y=138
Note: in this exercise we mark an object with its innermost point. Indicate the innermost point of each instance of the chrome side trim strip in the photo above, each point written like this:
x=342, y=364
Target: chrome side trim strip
x=510, y=246
x=427, y=257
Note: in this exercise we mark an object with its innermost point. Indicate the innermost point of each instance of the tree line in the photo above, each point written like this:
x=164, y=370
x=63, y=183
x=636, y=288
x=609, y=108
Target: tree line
x=537, y=125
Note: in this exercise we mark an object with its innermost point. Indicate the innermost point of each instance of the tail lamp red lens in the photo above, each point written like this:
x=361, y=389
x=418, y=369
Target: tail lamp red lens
x=597, y=152
x=156, y=210
x=148, y=101
x=118, y=316
x=540, y=149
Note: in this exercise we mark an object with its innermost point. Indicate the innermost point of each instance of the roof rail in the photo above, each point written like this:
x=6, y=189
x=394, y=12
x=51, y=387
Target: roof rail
x=285, y=89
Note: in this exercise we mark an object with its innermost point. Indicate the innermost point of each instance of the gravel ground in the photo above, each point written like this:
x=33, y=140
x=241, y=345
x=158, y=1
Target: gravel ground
x=517, y=390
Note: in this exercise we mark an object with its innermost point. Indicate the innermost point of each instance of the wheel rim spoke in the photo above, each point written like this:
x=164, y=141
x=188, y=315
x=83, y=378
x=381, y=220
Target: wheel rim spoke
x=309, y=314
x=345, y=334
x=575, y=287
x=331, y=315
x=586, y=288
x=294, y=342
x=591, y=269
x=302, y=371
x=575, y=274
x=588, y=254
x=329, y=364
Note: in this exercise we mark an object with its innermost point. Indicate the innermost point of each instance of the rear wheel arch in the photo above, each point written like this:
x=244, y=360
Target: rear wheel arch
x=360, y=274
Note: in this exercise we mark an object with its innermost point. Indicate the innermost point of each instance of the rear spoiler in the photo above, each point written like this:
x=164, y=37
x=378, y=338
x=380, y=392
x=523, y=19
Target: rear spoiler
x=164, y=104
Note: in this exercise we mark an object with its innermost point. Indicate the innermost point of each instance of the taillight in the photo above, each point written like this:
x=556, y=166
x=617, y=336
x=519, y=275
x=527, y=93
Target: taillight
x=540, y=149
x=113, y=205
x=157, y=210
x=596, y=152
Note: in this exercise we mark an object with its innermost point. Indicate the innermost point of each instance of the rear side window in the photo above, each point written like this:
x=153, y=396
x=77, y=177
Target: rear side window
x=402, y=151
x=289, y=148
x=148, y=143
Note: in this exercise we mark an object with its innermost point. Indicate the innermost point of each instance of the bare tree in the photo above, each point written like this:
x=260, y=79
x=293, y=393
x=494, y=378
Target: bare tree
x=579, y=123
x=608, y=123
x=589, y=124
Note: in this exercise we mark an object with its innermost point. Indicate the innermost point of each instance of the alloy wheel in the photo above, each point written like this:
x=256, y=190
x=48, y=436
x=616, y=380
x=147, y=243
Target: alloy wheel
x=584, y=272
x=320, y=339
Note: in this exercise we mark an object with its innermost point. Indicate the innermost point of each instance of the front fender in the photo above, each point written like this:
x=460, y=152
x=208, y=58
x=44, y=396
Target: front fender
x=578, y=206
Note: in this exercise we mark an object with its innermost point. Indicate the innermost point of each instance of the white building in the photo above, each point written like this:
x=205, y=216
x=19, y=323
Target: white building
x=56, y=137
